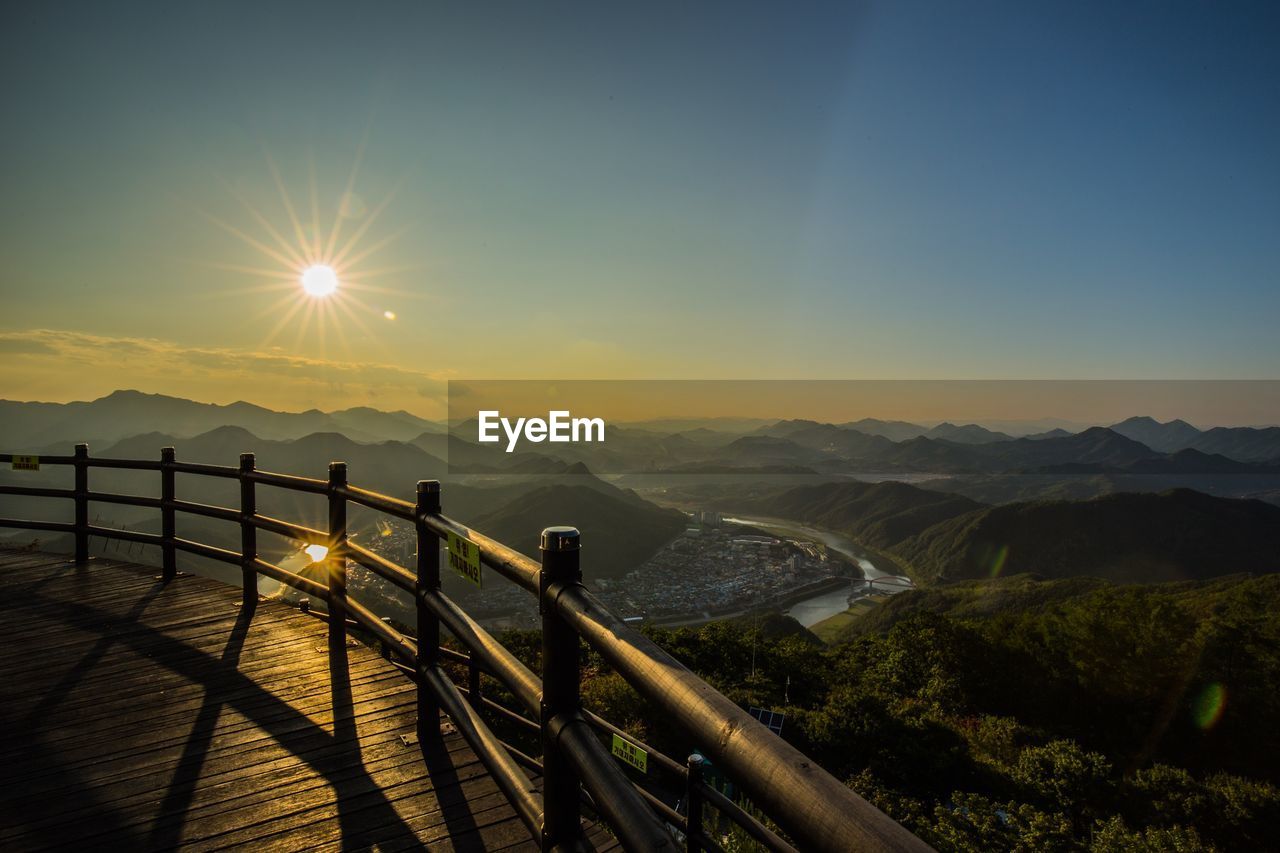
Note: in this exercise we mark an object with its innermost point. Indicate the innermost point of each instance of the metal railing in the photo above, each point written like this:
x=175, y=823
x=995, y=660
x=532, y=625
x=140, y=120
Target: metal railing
x=812, y=808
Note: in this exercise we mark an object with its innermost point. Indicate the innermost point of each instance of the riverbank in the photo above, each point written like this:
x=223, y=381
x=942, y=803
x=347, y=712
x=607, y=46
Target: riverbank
x=809, y=591
x=838, y=542
x=839, y=626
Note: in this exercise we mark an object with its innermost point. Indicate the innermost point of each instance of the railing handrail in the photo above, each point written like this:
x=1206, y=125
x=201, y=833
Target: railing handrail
x=809, y=804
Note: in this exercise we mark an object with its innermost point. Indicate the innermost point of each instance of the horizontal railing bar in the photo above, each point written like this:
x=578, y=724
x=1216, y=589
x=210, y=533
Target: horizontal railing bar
x=410, y=672
x=205, y=469
x=202, y=550
x=382, y=567
x=44, y=460
x=455, y=656
x=380, y=502
x=521, y=758
x=287, y=481
x=288, y=528
x=127, y=500
x=396, y=642
x=744, y=819
x=768, y=768
x=221, y=513
x=733, y=812
x=32, y=524
x=508, y=562
x=667, y=762
x=664, y=811
x=511, y=780
x=504, y=711
x=36, y=492
x=508, y=714
x=616, y=798
x=503, y=665
x=288, y=578
x=132, y=464
x=126, y=535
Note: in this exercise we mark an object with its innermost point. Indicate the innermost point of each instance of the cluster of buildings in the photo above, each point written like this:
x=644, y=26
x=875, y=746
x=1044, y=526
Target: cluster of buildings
x=713, y=568
x=716, y=569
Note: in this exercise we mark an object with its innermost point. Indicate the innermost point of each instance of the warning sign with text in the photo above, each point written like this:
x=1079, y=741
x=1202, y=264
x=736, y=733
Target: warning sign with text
x=464, y=558
x=631, y=754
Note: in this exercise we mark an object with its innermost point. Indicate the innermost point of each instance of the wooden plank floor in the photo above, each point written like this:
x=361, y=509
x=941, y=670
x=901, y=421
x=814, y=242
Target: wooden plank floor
x=141, y=716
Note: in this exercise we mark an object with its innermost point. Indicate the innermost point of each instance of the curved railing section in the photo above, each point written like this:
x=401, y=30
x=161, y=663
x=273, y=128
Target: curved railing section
x=814, y=810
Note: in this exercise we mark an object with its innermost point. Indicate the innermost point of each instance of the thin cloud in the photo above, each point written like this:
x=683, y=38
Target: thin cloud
x=80, y=359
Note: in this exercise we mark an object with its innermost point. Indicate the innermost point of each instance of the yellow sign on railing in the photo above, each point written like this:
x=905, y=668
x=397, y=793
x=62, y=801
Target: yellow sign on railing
x=464, y=558
x=26, y=463
x=631, y=754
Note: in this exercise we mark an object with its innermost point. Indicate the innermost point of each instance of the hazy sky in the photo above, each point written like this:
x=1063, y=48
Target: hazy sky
x=645, y=190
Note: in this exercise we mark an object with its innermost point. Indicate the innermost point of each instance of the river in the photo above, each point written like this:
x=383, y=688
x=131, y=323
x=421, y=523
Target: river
x=811, y=611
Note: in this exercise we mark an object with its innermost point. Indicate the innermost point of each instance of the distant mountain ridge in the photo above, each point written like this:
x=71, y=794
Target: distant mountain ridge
x=1138, y=444
x=1175, y=535
x=1243, y=444
x=34, y=426
x=1178, y=534
x=1165, y=437
x=879, y=515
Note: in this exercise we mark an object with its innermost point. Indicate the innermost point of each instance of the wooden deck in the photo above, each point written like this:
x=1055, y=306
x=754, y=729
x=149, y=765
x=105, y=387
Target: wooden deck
x=140, y=716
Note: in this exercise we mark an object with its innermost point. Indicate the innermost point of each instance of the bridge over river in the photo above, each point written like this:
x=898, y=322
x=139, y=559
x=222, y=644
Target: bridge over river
x=149, y=709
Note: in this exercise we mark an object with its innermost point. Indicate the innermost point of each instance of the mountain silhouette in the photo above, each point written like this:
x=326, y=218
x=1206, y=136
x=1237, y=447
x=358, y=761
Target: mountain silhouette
x=1175, y=535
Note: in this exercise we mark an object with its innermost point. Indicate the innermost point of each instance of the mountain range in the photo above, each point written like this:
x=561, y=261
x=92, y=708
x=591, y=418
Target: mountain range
x=1179, y=534
x=1176, y=535
x=938, y=532
x=26, y=426
x=717, y=443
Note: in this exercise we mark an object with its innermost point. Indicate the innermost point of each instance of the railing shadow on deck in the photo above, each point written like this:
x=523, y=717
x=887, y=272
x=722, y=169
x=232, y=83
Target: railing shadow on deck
x=329, y=754
x=813, y=809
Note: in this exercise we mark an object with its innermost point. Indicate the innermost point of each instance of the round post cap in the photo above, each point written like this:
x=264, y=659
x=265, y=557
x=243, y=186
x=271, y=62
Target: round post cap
x=561, y=539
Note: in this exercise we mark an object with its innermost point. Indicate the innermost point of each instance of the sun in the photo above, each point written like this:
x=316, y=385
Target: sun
x=319, y=280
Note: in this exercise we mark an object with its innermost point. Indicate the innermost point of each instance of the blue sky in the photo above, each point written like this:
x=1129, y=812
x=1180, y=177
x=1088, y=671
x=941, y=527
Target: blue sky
x=684, y=190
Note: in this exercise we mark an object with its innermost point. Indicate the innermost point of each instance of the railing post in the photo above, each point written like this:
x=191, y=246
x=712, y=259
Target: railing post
x=337, y=557
x=693, y=804
x=560, y=687
x=168, y=523
x=248, y=532
x=82, y=503
x=428, y=503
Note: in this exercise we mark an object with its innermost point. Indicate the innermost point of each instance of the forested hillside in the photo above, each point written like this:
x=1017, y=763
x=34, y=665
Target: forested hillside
x=1175, y=535
x=1023, y=714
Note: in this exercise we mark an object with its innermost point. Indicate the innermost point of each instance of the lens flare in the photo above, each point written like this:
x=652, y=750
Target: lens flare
x=1208, y=706
x=997, y=563
x=316, y=552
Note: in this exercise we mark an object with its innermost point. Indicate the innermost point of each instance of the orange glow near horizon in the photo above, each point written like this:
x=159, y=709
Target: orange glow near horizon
x=317, y=553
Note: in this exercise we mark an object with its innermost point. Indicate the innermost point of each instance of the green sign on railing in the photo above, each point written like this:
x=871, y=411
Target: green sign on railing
x=26, y=463
x=464, y=558
x=631, y=754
